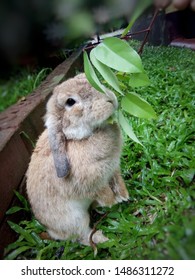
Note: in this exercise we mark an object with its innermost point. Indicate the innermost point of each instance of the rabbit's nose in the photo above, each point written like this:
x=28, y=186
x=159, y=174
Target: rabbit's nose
x=112, y=98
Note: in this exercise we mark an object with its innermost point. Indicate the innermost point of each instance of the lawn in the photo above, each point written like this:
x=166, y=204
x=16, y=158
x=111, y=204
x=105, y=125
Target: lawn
x=159, y=220
x=19, y=85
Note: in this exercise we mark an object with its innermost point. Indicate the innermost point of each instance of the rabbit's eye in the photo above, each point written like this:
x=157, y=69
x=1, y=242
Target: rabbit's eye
x=70, y=102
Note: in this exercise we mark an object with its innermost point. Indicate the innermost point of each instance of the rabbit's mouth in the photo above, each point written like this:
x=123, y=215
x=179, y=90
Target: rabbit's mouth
x=112, y=99
x=112, y=119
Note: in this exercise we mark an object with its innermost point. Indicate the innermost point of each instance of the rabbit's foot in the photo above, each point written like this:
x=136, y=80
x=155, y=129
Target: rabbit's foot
x=98, y=237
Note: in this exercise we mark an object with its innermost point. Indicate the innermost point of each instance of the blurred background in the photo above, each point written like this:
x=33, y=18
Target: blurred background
x=32, y=30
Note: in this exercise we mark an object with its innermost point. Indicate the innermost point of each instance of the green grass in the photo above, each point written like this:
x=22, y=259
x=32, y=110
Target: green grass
x=20, y=85
x=159, y=220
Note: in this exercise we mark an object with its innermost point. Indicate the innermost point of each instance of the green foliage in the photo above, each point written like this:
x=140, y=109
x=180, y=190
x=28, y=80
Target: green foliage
x=20, y=85
x=140, y=8
x=106, y=72
x=139, y=80
x=25, y=205
x=119, y=55
x=127, y=128
x=28, y=241
x=158, y=221
x=137, y=107
x=91, y=75
x=114, y=53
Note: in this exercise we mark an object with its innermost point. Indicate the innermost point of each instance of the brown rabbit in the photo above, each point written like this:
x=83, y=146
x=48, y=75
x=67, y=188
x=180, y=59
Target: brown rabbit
x=76, y=161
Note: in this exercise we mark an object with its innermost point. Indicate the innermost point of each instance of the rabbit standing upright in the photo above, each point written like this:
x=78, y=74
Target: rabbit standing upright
x=76, y=161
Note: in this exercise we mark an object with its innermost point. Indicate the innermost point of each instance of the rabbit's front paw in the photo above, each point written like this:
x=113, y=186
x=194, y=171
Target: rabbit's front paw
x=105, y=197
x=120, y=198
x=118, y=187
x=121, y=195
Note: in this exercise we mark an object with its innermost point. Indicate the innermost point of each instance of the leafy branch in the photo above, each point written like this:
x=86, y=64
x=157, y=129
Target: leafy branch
x=119, y=65
x=114, y=58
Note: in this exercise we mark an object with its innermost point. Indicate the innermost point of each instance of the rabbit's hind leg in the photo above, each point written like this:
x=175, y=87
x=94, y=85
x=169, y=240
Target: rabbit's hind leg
x=57, y=235
x=80, y=220
x=70, y=220
x=105, y=197
x=74, y=224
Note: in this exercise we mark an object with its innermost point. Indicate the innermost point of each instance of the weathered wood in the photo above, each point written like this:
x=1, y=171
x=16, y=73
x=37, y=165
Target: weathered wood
x=14, y=161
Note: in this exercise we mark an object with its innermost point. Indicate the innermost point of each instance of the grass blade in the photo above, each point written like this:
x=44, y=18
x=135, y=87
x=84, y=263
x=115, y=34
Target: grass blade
x=27, y=236
x=15, y=253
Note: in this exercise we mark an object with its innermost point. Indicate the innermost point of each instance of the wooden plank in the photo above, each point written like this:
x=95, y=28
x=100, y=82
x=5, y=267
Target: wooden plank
x=14, y=161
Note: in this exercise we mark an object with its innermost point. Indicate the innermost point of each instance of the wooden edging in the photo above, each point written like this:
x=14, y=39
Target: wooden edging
x=20, y=126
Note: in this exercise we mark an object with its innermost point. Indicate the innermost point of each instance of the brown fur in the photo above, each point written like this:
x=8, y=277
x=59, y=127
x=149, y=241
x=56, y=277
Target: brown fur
x=76, y=161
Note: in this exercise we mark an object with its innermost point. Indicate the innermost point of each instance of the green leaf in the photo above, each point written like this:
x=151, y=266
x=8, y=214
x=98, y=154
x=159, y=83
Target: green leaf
x=139, y=80
x=35, y=225
x=22, y=232
x=188, y=175
x=106, y=72
x=117, y=54
x=16, y=244
x=17, y=252
x=136, y=106
x=127, y=128
x=140, y=8
x=91, y=75
x=38, y=240
x=23, y=133
x=48, y=248
x=23, y=200
x=14, y=209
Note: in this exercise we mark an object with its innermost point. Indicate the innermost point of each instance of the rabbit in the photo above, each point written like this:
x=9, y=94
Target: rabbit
x=76, y=161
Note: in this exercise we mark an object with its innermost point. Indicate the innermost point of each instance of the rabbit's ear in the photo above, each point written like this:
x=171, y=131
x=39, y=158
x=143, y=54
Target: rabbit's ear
x=58, y=146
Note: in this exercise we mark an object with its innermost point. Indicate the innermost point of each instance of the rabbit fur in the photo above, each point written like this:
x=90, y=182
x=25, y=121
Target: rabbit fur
x=76, y=161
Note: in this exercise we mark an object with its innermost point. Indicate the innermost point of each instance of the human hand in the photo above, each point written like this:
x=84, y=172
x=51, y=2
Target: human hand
x=178, y=4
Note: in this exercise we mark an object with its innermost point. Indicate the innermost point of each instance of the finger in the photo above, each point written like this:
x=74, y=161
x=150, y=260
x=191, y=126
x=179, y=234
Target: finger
x=162, y=4
x=181, y=4
x=193, y=5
